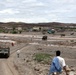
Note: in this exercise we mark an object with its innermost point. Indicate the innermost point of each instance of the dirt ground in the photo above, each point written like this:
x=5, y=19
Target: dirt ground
x=29, y=45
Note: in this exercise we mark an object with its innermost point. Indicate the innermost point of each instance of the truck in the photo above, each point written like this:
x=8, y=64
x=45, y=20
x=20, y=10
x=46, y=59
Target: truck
x=5, y=52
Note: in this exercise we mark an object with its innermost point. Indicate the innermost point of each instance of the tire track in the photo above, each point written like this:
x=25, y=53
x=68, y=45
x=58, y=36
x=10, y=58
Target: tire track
x=19, y=48
x=8, y=66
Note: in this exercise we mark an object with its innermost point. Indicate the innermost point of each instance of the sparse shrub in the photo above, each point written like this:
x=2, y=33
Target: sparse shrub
x=62, y=35
x=14, y=32
x=42, y=57
x=72, y=34
x=5, y=31
x=72, y=40
x=1, y=30
x=20, y=31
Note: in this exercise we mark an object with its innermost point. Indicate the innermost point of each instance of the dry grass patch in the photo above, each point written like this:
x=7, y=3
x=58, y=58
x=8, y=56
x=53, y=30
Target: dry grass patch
x=43, y=58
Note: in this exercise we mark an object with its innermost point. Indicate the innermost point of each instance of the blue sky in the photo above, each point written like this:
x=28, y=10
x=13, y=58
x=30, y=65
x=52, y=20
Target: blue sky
x=37, y=11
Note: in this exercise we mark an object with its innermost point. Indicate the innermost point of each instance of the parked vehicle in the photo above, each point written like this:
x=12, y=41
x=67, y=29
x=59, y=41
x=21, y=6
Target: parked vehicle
x=5, y=52
x=44, y=37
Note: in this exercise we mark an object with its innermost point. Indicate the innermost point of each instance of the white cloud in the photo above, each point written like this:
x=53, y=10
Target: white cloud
x=13, y=20
x=8, y=11
x=37, y=10
x=39, y=4
x=57, y=11
x=64, y=1
x=61, y=11
x=28, y=1
x=27, y=20
x=36, y=4
x=8, y=0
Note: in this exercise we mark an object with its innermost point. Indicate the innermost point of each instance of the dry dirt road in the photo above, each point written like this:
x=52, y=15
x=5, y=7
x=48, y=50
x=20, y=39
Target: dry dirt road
x=7, y=68
x=6, y=64
x=37, y=36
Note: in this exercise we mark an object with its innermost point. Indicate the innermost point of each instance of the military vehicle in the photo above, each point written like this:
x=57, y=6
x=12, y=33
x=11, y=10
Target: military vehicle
x=51, y=31
x=5, y=52
x=44, y=37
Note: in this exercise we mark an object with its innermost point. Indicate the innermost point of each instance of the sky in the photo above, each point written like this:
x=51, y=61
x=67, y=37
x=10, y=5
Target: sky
x=38, y=11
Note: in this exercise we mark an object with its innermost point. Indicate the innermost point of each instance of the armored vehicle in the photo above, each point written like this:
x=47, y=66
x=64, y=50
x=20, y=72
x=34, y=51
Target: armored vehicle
x=5, y=52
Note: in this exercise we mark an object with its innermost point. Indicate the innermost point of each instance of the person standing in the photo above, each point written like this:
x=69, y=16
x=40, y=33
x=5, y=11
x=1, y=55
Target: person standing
x=58, y=65
x=18, y=53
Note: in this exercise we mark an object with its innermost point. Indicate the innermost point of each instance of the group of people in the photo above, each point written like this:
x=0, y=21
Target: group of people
x=58, y=65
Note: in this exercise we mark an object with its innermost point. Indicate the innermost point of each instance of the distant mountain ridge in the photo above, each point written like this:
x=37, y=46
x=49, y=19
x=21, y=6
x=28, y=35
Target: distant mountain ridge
x=36, y=24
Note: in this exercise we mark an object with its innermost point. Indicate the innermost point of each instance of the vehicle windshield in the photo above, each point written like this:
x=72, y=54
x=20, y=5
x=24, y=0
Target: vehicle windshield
x=5, y=49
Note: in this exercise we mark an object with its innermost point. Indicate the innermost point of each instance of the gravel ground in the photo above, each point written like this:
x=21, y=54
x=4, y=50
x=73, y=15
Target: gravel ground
x=25, y=64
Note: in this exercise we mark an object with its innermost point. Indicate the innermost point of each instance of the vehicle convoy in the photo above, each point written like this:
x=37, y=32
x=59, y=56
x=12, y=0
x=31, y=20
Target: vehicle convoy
x=4, y=52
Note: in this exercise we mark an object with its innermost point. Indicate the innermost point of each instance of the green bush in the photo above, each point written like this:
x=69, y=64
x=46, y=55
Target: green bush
x=42, y=57
x=1, y=30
